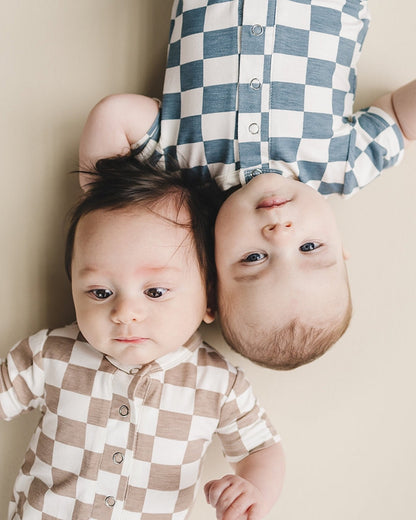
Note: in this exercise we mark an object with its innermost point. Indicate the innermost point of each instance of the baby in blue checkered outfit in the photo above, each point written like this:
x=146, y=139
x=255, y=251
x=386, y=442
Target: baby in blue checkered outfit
x=258, y=95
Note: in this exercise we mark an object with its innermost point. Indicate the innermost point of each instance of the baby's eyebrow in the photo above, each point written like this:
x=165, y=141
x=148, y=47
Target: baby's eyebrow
x=85, y=271
x=153, y=270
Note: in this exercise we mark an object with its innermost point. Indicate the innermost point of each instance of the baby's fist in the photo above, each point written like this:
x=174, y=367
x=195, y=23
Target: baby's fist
x=235, y=498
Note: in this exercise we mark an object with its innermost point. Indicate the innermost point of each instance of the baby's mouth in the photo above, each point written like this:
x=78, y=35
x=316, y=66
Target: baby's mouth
x=131, y=340
x=272, y=202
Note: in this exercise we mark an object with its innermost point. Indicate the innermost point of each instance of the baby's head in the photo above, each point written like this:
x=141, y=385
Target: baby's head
x=283, y=293
x=137, y=259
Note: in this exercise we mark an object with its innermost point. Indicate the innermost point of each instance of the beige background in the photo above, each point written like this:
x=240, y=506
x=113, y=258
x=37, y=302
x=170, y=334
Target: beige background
x=347, y=420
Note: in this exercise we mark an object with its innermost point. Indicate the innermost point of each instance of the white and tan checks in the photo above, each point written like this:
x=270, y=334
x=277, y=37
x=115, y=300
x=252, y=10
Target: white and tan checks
x=122, y=442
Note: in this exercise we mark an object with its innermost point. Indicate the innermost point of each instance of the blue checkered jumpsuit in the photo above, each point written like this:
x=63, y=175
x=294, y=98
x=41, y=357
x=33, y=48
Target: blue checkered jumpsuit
x=256, y=86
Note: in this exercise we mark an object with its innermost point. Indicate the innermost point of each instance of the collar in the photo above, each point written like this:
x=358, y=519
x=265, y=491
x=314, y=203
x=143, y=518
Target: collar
x=165, y=362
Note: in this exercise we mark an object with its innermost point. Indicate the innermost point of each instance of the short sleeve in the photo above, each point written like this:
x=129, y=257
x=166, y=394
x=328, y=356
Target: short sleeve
x=22, y=377
x=376, y=144
x=244, y=426
x=147, y=148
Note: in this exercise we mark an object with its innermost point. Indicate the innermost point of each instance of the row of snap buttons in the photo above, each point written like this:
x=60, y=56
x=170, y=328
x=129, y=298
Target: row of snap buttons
x=255, y=83
x=118, y=457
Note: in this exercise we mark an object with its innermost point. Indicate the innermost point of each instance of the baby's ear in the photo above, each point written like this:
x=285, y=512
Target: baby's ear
x=209, y=316
x=211, y=303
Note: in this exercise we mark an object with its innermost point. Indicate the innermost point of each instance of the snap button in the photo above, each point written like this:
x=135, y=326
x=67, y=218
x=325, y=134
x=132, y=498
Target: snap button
x=255, y=84
x=123, y=410
x=110, y=501
x=256, y=30
x=253, y=128
x=118, y=457
x=256, y=172
x=133, y=371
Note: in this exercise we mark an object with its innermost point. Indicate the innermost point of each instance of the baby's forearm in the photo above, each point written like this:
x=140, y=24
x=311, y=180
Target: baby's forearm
x=252, y=491
x=115, y=124
x=404, y=104
x=265, y=469
x=401, y=105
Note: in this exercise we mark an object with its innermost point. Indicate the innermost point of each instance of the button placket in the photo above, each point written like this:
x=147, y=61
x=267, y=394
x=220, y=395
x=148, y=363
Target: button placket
x=251, y=79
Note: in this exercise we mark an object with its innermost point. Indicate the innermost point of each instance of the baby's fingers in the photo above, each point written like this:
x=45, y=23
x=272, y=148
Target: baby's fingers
x=256, y=512
x=243, y=508
x=237, y=508
x=232, y=498
x=214, y=489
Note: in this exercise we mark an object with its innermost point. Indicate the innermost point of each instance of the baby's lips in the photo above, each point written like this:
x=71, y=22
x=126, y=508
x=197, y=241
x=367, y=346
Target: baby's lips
x=272, y=202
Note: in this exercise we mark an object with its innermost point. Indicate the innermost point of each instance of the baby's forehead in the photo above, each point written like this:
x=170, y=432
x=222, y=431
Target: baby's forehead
x=101, y=230
x=132, y=239
x=168, y=211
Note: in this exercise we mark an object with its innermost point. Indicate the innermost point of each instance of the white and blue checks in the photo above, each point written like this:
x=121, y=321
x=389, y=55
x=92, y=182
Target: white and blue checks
x=257, y=86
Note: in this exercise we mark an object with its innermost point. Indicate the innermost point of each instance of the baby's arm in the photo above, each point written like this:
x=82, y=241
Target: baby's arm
x=252, y=491
x=115, y=124
x=401, y=105
x=22, y=377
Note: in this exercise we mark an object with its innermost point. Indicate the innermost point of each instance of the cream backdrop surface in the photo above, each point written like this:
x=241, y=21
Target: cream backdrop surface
x=347, y=420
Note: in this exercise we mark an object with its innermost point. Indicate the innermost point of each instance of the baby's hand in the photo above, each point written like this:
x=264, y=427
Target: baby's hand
x=235, y=498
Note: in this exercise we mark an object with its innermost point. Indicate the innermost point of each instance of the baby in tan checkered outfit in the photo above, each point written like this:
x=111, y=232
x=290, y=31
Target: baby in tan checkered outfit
x=130, y=396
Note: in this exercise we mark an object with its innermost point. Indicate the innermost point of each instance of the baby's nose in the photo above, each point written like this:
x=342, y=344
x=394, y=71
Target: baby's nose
x=126, y=311
x=277, y=231
x=275, y=227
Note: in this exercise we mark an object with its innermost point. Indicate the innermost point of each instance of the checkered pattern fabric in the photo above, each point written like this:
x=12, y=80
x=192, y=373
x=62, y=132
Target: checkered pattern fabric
x=257, y=86
x=122, y=442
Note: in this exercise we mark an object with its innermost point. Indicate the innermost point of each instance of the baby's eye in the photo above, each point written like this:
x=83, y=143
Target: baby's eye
x=101, y=294
x=309, y=246
x=155, y=292
x=254, y=257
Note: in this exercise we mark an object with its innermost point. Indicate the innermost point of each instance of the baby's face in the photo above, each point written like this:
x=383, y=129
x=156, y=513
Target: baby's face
x=136, y=283
x=279, y=254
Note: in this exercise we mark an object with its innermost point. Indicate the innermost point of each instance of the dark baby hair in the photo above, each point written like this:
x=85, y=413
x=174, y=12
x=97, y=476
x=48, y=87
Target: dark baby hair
x=124, y=181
